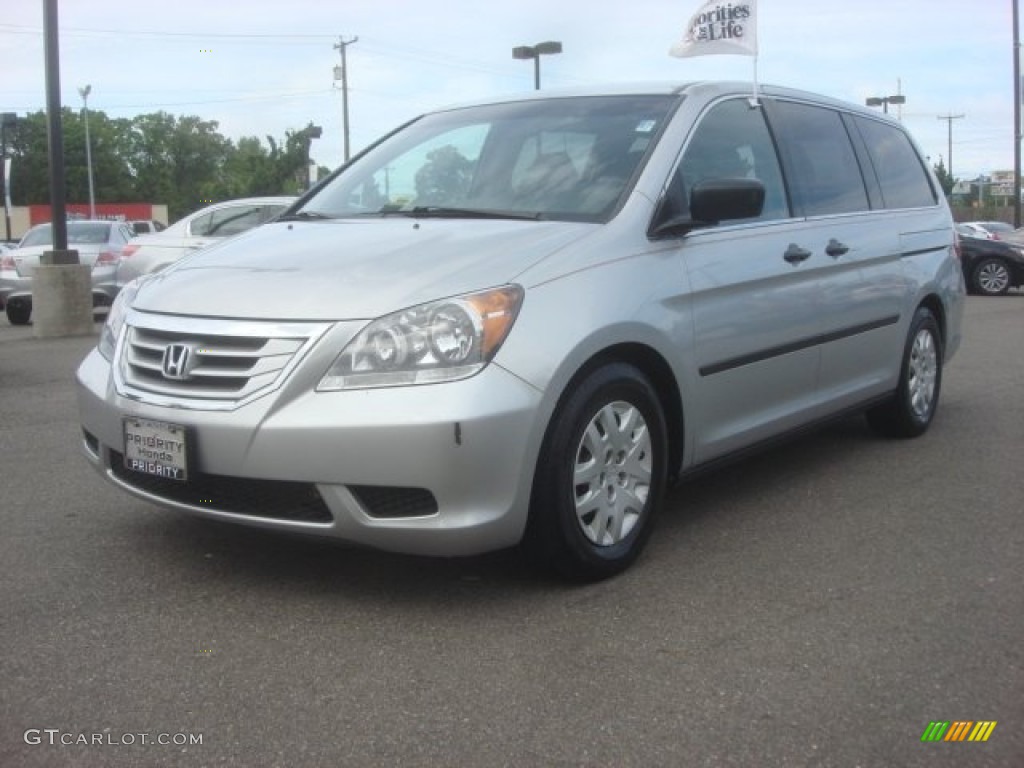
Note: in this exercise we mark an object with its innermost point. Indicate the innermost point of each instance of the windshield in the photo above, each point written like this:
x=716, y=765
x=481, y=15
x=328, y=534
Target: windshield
x=80, y=232
x=568, y=158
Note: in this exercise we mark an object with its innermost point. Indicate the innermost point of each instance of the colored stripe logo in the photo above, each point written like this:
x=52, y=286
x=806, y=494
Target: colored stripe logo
x=958, y=730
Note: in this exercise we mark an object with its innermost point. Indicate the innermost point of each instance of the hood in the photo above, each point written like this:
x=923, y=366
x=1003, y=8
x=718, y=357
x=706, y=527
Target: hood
x=350, y=269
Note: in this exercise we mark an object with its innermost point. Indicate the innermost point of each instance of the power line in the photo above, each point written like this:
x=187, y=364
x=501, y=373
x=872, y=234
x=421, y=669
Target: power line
x=200, y=102
x=313, y=39
x=372, y=48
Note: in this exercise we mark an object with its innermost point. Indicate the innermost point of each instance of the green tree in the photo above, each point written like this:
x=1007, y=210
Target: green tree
x=946, y=180
x=182, y=162
x=179, y=161
x=249, y=170
x=443, y=178
x=292, y=160
x=27, y=144
x=113, y=180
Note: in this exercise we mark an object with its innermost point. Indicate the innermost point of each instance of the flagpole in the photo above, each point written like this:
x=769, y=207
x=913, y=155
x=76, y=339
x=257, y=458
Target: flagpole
x=755, y=102
x=722, y=28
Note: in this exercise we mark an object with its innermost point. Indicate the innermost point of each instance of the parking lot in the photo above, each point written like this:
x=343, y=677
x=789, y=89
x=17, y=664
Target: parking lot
x=818, y=604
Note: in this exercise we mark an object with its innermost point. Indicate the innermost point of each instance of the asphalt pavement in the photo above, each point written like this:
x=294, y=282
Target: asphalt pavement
x=819, y=604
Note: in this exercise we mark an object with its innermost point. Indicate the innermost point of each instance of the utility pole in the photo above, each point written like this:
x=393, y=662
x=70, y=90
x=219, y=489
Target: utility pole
x=341, y=73
x=949, y=149
x=1016, y=114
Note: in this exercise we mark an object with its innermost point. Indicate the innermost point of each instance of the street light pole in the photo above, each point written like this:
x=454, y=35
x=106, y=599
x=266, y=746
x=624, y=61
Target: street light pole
x=1016, y=115
x=885, y=101
x=6, y=118
x=535, y=52
x=84, y=92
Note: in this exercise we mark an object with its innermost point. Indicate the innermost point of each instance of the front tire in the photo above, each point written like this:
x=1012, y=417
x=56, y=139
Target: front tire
x=600, y=476
x=912, y=407
x=18, y=312
x=991, y=277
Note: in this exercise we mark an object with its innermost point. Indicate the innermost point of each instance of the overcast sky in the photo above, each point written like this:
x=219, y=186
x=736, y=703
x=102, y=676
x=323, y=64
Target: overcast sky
x=263, y=67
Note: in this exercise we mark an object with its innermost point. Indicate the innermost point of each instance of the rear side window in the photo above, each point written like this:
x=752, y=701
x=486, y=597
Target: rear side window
x=897, y=165
x=823, y=172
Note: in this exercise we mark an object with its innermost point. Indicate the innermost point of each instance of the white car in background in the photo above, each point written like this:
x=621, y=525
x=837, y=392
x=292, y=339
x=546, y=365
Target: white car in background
x=152, y=252
x=99, y=245
x=985, y=230
x=146, y=226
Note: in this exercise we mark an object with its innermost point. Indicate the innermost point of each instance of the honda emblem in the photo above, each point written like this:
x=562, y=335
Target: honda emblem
x=178, y=361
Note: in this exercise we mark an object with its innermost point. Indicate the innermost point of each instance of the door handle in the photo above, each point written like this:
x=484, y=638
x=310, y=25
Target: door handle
x=835, y=249
x=795, y=254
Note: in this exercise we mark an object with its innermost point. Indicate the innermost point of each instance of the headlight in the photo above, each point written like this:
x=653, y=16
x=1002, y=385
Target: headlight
x=440, y=341
x=115, y=320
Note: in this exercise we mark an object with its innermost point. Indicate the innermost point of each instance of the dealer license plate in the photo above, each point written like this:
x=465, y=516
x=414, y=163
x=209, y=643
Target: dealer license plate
x=156, y=448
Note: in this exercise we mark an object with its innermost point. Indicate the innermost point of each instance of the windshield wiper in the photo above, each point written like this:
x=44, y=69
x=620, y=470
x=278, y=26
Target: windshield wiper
x=441, y=212
x=304, y=216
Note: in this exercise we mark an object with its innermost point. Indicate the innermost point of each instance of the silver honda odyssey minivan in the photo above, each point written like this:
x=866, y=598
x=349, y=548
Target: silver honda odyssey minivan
x=518, y=321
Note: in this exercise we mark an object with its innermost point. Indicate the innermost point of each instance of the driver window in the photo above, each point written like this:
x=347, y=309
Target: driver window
x=732, y=141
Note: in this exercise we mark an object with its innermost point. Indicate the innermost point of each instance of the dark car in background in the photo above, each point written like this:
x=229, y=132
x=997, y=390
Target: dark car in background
x=991, y=267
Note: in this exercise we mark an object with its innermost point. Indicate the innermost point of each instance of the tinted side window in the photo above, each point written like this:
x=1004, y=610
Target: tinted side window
x=823, y=172
x=732, y=141
x=904, y=181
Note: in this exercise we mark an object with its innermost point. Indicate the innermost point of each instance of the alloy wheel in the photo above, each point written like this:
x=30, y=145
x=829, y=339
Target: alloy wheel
x=923, y=373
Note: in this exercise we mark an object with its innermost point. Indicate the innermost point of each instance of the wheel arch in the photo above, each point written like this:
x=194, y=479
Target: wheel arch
x=934, y=304
x=659, y=373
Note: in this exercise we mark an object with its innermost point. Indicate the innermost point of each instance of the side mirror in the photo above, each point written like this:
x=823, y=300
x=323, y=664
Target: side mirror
x=713, y=201
x=718, y=200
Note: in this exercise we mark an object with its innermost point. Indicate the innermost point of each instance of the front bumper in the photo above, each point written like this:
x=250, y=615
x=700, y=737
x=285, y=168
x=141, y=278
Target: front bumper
x=441, y=469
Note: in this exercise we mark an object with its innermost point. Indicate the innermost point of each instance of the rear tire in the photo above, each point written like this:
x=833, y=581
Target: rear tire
x=991, y=277
x=912, y=407
x=18, y=312
x=600, y=476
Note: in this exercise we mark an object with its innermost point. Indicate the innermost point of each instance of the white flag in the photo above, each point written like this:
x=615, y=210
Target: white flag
x=720, y=27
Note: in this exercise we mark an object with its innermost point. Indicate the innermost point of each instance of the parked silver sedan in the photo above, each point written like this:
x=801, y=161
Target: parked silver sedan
x=518, y=321
x=154, y=251
x=99, y=245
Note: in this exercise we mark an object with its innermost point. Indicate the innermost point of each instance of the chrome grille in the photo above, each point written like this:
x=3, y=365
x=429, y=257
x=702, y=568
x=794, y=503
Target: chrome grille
x=230, y=362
